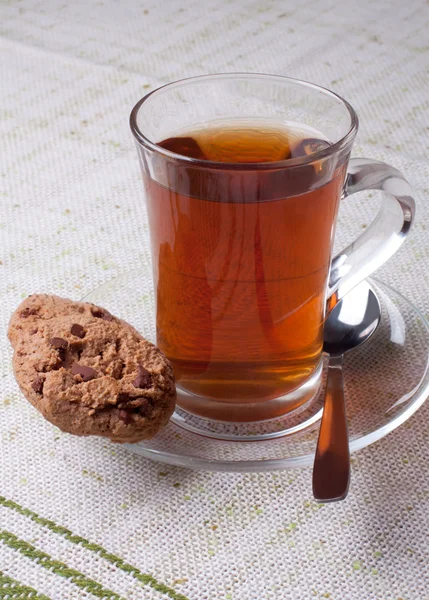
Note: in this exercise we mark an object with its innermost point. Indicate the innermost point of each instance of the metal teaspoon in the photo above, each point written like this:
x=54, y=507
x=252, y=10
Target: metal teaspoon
x=350, y=323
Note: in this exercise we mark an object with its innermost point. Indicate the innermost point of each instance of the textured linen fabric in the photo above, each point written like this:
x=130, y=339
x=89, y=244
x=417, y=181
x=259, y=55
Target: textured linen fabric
x=80, y=518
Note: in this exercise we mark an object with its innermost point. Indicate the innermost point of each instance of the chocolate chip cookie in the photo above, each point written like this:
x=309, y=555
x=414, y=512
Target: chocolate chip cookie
x=88, y=372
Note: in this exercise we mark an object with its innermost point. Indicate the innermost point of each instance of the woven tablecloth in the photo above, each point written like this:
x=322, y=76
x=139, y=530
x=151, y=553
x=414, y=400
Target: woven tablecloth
x=81, y=518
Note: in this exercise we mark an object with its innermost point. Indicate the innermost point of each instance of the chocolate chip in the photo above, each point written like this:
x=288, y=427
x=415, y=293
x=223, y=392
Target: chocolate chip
x=125, y=417
x=143, y=407
x=37, y=385
x=138, y=405
x=101, y=314
x=58, y=343
x=77, y=330
x=143, y=379
x=28, y=312
x=123, y=399
x=87, y=373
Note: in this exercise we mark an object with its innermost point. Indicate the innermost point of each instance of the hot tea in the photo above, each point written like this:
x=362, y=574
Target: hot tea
x=241, y=258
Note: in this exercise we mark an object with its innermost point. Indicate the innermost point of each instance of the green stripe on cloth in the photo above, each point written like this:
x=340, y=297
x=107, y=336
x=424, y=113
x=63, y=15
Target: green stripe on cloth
x=59, y=568
x=12, y=589
x=102, y=552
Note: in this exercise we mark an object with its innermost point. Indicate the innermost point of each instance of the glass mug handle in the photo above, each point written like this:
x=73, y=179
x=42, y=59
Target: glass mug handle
x=385, y=234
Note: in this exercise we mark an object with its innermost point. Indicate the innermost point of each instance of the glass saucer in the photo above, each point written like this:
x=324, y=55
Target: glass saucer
x=386, y=381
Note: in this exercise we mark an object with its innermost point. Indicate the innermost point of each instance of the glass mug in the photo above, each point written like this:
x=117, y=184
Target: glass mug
x=242, y=250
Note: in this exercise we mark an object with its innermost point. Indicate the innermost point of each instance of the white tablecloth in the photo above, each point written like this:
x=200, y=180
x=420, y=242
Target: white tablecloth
x=82, y=519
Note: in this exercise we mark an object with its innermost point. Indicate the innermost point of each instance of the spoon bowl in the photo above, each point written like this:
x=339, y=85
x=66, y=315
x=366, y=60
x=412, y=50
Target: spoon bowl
x=352, y=321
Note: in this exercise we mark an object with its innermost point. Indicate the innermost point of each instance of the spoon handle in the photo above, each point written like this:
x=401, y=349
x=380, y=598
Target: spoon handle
x=331, y=470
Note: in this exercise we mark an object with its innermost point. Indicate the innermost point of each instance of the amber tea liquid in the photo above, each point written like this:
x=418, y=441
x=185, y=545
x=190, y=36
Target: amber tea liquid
x=241, y=260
